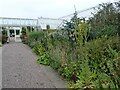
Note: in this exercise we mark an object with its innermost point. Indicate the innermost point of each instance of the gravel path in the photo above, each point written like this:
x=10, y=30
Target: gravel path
x=20, y=70
x=0, y=68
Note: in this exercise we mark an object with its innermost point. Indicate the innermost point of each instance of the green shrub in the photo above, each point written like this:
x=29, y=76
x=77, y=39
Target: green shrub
x=44, y=59
x=34, y=36
x=24, y=36
x=86, y=77
x=4, y=39
x=4, y=36
x=94, y=64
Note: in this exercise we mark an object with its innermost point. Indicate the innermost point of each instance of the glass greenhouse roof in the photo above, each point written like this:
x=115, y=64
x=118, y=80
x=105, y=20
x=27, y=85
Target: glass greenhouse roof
x=42, y=22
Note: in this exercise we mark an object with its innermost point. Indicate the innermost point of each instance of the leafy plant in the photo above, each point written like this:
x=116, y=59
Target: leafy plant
x=86, y=77
x=44, y=59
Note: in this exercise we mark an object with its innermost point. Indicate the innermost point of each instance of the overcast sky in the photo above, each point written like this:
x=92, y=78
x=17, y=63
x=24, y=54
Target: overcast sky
x=44, y=8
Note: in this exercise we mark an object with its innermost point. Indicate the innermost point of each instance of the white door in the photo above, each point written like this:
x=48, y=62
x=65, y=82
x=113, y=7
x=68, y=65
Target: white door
x=17, y=35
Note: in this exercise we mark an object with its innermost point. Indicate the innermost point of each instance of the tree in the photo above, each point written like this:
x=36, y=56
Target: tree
x=104, y=22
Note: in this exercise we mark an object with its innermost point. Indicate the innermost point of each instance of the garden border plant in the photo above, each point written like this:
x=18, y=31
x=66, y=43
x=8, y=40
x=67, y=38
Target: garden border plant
x=86, y=64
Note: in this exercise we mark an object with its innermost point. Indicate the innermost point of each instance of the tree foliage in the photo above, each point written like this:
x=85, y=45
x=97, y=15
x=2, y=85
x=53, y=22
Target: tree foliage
x=105, y=21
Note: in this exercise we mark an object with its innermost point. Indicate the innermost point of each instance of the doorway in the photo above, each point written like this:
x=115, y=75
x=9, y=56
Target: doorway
x=14, y=34
x=17, y=35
